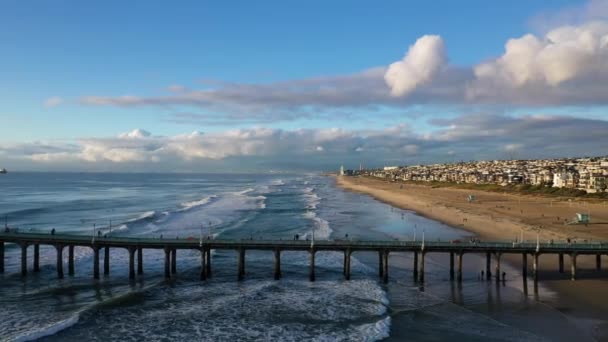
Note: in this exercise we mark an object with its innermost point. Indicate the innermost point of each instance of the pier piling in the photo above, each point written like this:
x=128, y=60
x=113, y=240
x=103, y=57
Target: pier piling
x=131, y=263
x=59, y=249
x=598, y=262
x=422, y=254
x=380, y=266
x=95, y=262
x=385, y=264
x=415, y=265
x=459, y=266
x=497, y=268
x=311, y=275
x=573, y=266
x=241, y=264
x=347, y=256
x=1, y=256
x=524, y=271
x=208, y=262
x=167, y=263
x=174, y=261
x=203, y=268
x=71, y=260
x=277, y=264
x=451, y=265
x=36, y=257
x=106, y=261
x=140, y=261
x=488, y=262
x=561, y=262
x=23, y=259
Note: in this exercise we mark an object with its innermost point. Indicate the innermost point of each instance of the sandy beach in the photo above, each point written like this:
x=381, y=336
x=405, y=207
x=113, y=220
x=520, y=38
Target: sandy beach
x=496, y=216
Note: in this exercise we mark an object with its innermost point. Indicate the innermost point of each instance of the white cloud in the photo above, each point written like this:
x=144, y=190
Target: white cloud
x=422, y=61
x=53, y=102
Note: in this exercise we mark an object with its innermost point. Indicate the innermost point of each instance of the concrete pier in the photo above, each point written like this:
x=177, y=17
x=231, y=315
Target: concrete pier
x=598, y=262
x=241, y=264
x=59, y=249
x=167, y=263
x=277, y=264
x=488, y=263
x=95, y=262
x=422, y=254
x=208, y=262
x=23, y=260
x=71, y=260
x=385, y=264
x=459, y=266
x=573, y=266
x=131, y=263
x=140, y=261
x=561, y=262
x=451, y=265
x=311, y=273
x=106, y=261
x=36, y=257
x=174, y=261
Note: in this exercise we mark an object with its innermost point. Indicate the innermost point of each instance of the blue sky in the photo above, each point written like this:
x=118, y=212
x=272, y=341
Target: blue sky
x=66, y=66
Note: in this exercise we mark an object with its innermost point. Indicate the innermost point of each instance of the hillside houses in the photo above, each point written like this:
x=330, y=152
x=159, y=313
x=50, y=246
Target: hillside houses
x=588, y=174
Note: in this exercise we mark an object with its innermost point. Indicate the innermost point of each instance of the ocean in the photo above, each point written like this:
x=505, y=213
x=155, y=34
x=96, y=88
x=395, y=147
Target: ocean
x=251, y=206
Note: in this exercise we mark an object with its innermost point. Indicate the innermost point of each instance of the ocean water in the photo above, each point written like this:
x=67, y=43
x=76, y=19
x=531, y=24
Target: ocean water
x=259, y=308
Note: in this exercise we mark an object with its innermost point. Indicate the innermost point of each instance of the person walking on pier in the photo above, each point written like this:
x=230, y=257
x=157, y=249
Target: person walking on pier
x=53, y=231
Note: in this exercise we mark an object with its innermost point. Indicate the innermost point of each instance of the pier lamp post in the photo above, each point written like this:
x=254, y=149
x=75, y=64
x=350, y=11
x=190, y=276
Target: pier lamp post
x=93, y=241
x=210, y=235
x=110, y=233
x=422, y=248
x=200, y=241
x=414, y=233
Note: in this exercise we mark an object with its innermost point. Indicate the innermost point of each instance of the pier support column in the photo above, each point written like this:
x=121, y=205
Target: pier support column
x=140, y=261
x=167, y=263
x=415, y=265
x=573, y=266
x=59, y=249
x=203, y=268
x=561, y=262
x=598, y=262
x=380, y=265
x=277, y=264
x=71, y=260
x=311, y=274
x=451, y=265
x=174, y=261
x=241, y=264
x=524, y=272
x=24, y=260
x=208, y=262
x=488, y=262
x=347, y=256
x=95, y=262
x=106, y=261
x=497, y=267
x=422, y=254
x=131, y=263
x=36, y=257
x=385, y=272
x=459, y=267
x=1, y=256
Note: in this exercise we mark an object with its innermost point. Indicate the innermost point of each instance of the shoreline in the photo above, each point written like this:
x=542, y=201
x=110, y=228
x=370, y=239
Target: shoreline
x=508, y=217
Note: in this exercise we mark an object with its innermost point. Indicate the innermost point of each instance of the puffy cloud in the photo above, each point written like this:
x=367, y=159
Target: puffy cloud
x=53, y=102
x=562, y=65
x=476, y=136
x=422, y=61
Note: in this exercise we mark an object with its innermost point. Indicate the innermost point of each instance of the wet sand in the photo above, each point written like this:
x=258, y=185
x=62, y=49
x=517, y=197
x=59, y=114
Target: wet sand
x=496, y=216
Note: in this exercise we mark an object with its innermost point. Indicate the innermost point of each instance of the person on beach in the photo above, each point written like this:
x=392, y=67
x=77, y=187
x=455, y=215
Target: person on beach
x=53, y=231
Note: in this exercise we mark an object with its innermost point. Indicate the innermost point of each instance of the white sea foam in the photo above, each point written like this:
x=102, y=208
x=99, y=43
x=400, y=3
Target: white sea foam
x=146, y=215
x=198, y=203
x=48, y=330
x=321, y=227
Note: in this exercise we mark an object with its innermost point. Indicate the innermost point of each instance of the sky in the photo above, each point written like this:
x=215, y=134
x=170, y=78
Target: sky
x=199, y=86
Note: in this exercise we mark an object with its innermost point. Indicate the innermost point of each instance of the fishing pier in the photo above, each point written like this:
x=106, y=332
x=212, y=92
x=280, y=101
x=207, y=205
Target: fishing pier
x=137, y=246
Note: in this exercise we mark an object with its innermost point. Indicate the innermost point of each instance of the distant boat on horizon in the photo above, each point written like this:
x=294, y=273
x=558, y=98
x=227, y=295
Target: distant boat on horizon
x=3, y=171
